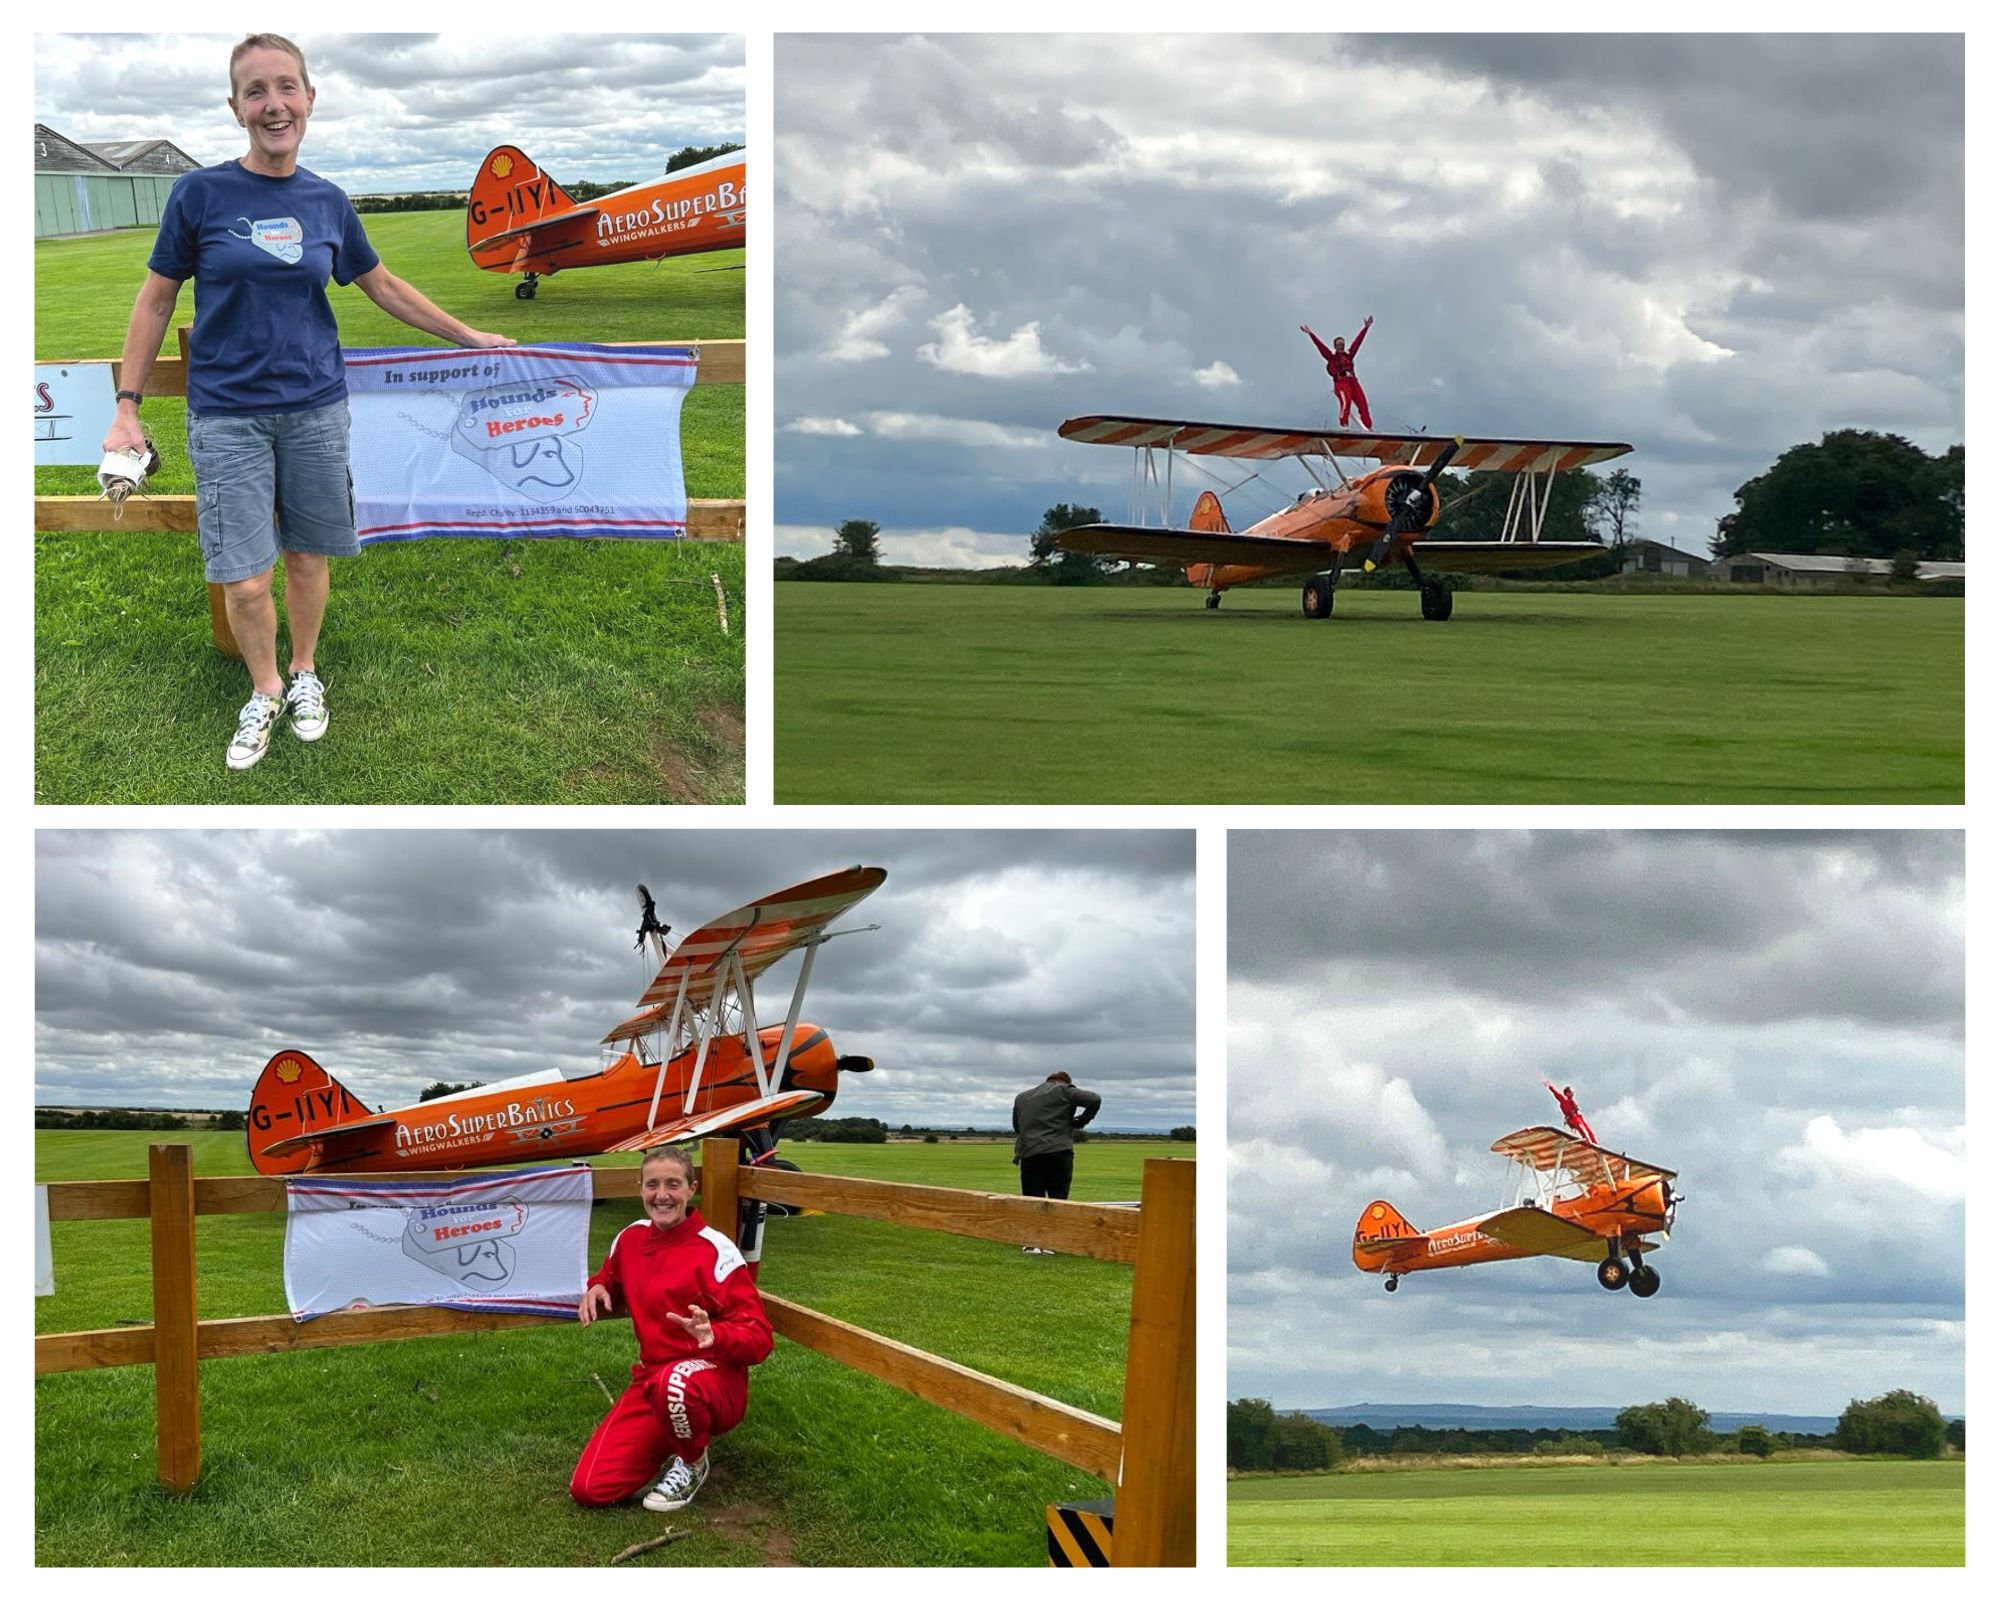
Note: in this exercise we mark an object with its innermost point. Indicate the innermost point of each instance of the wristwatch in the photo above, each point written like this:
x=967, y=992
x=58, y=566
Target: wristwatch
x=133, y=395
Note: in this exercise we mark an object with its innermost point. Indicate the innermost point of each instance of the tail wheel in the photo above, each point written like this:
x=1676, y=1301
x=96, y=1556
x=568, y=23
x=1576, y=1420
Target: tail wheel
x=1390, y=1282
x=1316, y=596
x=1436, y=600
x=1612, y=1273
x=1214, y=599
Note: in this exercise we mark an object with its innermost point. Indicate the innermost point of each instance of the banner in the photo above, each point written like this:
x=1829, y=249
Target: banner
x=45, y=1259
x=74, y=410
x=562, y=441
x=498, y=1241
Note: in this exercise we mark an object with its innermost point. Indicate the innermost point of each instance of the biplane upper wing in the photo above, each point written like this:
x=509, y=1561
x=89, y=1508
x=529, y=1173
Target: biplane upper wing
x=761, y=933
x=1545, y=1149
x=1406, y=449
x=1185, y=548
x=791, y=1103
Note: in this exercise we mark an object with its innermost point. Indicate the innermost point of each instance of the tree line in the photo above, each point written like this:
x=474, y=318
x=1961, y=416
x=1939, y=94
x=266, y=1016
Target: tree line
x=1900, y=1423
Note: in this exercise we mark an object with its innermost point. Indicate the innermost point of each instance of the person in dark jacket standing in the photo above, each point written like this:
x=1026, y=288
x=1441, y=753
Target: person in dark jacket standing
x=1046, y=1119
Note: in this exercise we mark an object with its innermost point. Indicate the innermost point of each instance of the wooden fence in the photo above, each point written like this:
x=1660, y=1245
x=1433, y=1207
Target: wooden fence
x=1150, y=1456
x=722, y=361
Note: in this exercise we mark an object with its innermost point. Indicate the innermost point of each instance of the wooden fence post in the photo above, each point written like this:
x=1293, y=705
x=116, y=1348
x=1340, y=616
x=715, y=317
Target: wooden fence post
x=176, y=1368
x=1155, y=1506
x=719, y=1189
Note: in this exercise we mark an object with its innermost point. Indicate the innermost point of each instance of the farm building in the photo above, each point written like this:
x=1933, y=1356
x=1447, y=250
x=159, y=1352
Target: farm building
x=1649, y=555
x=1779, y=570
x=88, y=188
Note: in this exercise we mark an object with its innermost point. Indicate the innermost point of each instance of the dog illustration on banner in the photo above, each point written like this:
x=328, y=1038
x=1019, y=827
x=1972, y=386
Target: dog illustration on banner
x=523, y=433
x=467, y=1243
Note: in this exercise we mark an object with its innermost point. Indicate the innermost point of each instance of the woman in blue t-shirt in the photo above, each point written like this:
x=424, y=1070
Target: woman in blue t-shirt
x=267, y=389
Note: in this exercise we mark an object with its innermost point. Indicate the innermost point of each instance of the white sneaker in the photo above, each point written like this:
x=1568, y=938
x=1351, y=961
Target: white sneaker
x=678, y=1487
x=305, y=700
x=253, y=732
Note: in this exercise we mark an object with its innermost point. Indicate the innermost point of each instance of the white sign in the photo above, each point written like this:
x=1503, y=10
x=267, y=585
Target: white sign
x=45, y=1260
x=494, y=1241
x=562, y=441
x=75, y=406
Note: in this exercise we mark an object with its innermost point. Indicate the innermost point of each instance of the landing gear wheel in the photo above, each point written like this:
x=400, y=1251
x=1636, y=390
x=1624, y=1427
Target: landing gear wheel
x=1214, y=599
x=1316, y=597
x=1390, y=1282
x=1436, y=600
x=1611, y=1273
x=1645, y=1282
x=525, y=290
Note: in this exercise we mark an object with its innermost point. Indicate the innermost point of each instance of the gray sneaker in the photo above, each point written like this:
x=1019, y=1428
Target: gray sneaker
x=305, y=702
x=253, y=731
x=678, y=1487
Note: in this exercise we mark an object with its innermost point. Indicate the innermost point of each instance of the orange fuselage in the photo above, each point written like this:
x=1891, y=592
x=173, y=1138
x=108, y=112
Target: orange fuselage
x=1621, y=1211
x=524, y=1120
x=1350, y=519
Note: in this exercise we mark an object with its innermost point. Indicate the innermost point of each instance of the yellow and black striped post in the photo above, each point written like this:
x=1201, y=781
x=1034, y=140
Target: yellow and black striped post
x=1080, y=1534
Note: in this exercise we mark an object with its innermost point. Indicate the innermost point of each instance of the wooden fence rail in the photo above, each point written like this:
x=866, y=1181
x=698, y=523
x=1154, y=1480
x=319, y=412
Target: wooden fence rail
x=722, y=361
x=1150, y=1456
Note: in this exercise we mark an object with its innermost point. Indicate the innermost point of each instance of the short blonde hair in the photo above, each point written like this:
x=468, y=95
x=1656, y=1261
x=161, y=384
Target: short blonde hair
x=267, y=41
x=669, y=1153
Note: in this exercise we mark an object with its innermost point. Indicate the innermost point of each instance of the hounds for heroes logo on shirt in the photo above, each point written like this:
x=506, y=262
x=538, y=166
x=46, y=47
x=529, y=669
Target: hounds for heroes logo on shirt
x=540, y=441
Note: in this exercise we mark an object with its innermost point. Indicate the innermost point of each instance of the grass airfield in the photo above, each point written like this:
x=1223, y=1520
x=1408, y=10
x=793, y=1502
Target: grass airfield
x=1726, y=1512
x=457, y=1451
x=913, y=693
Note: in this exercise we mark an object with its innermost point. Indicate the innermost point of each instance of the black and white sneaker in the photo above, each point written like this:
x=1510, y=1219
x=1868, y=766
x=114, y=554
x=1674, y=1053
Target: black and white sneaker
x=305, y=703
x=678, y=1487
x=253, y=731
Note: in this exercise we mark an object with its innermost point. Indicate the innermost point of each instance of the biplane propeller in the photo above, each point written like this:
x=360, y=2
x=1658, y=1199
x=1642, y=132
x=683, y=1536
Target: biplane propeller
x=1588, y=1204
x=692, y=1062
x=1381, y=515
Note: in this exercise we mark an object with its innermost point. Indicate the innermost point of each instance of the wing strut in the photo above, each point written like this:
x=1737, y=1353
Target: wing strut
x=667, y=1048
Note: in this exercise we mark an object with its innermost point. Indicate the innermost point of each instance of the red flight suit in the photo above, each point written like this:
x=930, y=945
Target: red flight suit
x=1346, y=387
x=681, y=1395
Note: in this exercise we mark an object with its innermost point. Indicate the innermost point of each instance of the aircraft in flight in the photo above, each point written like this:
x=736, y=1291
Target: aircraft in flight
x=1587, y=1204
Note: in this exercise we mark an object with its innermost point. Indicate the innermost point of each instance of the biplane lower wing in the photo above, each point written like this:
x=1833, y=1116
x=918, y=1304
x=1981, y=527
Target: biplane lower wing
x=1500, y=555
x=1174, y=547
x=703, y=1125
x=1537, y=1233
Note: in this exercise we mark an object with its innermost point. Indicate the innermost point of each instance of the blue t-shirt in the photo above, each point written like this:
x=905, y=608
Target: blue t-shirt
x=260, y=251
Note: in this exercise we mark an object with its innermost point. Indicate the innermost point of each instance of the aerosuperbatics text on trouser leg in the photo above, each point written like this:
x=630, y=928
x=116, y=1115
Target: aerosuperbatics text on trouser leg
x=673, y=1410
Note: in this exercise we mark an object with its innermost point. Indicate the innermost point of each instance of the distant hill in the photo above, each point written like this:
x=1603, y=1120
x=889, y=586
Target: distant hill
x=1579, y=1419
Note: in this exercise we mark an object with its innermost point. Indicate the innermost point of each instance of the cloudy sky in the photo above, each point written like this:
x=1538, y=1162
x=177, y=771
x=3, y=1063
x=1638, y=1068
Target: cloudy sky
x=170, y=965
x=1710, y=248
x=1777, y=1017
x=404, y=111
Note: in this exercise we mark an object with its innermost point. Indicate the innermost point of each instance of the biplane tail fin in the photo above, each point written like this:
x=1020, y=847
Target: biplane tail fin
x=297, y=1099
x=1208, y=516
x=1383, y=1236
x=510, y=193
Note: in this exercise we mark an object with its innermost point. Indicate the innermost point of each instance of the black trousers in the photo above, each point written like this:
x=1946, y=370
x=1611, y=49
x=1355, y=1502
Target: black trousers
x=1047, y=1177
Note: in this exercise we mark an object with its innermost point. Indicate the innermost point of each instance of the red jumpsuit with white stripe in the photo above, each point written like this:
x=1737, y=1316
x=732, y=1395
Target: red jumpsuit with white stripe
x=681, y=1395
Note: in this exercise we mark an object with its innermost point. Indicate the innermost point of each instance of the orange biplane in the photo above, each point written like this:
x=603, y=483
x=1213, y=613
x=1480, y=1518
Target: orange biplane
x=1588, y=1204
x=1380, y=516
x=691, y=1063
x=518, y=219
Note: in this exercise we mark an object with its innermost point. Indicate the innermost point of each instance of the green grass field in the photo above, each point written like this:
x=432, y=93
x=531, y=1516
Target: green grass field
x=916, y=693
x=458, y=1450
x=458, y=671
x=1772, y=1514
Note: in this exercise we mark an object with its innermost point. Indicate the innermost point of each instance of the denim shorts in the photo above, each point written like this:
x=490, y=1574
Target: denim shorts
x=244, y=466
